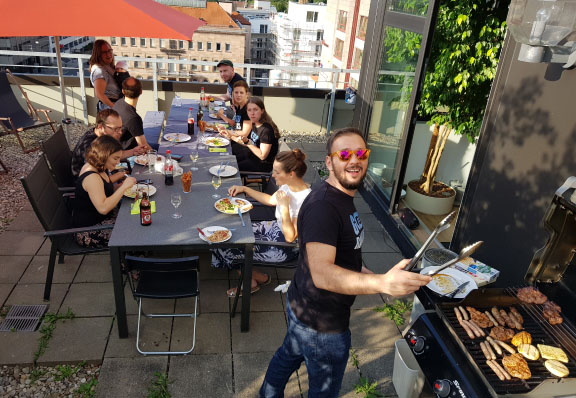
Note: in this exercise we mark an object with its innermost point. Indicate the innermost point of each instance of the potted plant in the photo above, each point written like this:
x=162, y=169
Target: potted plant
x=462, y=65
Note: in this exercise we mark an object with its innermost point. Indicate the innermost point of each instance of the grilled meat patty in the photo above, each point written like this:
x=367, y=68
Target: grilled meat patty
x=517, y=366
x=553, y=317
x=479, y=318
x=502, y=333
x=531, y=295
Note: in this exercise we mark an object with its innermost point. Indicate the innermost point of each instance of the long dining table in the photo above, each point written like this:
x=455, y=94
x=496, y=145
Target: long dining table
x=198, y=210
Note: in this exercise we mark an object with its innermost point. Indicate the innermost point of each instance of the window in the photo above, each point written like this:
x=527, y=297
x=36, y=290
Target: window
x=218, y=46
x=194, y=67
x=123, y=41
x=199, y=46
x=182, y=66
x=208, y=46
x=263, y=28
x=142, y=42
x=258, y=54
x=227, y=47
x=338, y=47
x=296, y=34
x=162, y=43
x=161, y=65
x=113, y=41
x=173, y=44
x=148, y=65
x=312, y=16
x=259, y=43
x=342, y=19
x=190, y=45
x=357, y=60
x=181, y=44
x=136, y=64
x=320, y=35
x=133, y=41
x=205, y=68
x=318, y=50
x=362, y=26
x=152, y=43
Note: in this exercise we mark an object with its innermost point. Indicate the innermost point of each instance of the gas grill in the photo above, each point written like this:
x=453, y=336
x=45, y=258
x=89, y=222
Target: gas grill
x=454, y=365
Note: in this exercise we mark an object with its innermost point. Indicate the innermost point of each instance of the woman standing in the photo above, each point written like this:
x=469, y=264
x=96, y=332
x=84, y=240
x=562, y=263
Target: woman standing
x=241, y=124
x=289, y=168
x=102, y=75
x=257, y=153
x=95, y=199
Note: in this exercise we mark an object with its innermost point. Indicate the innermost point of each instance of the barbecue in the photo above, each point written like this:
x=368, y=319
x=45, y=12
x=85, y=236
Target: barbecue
x=537, y=357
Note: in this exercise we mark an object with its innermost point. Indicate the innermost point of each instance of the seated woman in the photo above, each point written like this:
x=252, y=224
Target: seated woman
x=257, y=153
x=102, y=75
x=95, y=199
x=289, y=168
x=241, y=124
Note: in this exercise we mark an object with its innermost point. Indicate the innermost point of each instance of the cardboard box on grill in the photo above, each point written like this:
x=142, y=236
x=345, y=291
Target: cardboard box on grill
x=480, y=272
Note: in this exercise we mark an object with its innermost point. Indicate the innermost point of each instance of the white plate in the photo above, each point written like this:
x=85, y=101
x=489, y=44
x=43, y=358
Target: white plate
x=131, y=192
x=449, y=279
x=210, y=230
x=217, y=141
x=219, y=103
x=214, y=116
x=177, y=137
x=244, y=205
x=225, y=171
x=142, y=160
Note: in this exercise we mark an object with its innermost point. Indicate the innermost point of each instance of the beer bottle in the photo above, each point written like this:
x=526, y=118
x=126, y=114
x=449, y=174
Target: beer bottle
x=199, y=115
x=145, y=210
x=168, y=169
x=190, y=122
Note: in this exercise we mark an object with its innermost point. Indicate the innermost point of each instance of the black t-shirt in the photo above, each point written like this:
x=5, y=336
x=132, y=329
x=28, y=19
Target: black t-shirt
x=327, y=216
x=132, y=125
x=246, y=159
x=235, y=78
x=240, y=115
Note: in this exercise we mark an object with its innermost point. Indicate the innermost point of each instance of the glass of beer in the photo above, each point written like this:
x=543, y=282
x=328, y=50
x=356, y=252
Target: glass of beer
x=201, y=126
x=187, y=181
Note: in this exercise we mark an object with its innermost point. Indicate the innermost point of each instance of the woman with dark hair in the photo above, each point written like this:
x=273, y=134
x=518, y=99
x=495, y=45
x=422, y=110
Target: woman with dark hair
x=241, y=124
x=257, y=152
x=95, y=199
x=289, y=168
x=102, y=75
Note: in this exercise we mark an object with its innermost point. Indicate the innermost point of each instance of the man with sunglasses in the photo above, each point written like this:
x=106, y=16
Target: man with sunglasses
x=108, y=122
x=329, y=275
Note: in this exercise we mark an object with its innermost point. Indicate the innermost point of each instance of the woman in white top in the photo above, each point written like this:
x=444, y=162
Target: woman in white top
x=102, y=75
x=288, y=169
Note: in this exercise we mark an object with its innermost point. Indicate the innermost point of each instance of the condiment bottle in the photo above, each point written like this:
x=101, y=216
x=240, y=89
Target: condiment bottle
x=145, y=210
x=190, y=122
x=168, y=169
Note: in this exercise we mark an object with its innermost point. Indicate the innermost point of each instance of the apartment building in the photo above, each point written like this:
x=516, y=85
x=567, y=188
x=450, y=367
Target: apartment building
x=24, y=63
x=220, y=38
x=344, y=36
x=299, y=34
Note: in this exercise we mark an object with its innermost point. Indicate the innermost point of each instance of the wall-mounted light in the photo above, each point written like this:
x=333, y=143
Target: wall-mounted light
x=546, y=29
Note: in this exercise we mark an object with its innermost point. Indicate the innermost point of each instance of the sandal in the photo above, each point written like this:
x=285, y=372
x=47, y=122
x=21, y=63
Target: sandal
x=266, y=282
x=232, y=292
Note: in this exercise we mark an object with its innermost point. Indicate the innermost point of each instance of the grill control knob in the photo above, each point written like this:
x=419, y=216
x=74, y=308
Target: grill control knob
x=442, y=388
x=418, y=343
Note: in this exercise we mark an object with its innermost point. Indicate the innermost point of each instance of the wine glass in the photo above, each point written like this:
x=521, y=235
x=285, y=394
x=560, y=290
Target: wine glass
x=151, y=160
x=176, y=200
x=216, y=182
x=194, y=157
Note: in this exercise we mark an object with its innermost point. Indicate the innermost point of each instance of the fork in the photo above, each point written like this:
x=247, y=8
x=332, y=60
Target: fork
x=241, y=218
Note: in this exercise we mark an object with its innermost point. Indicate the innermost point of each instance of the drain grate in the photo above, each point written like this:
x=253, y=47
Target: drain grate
x=23, y=318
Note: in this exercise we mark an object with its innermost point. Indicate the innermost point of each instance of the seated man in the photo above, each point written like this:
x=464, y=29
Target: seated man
x=226, y=69
x=132, y=125
x=108, y=122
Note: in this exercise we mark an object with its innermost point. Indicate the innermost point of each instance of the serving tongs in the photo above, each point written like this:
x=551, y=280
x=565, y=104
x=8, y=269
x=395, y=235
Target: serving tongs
x=466, y=252
x=443, y=225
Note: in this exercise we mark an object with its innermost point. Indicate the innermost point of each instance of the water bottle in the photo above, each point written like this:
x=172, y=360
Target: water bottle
x=168, y=169
x=177, y=101
x=211, y=106
x=190, y=122
x=202, y=98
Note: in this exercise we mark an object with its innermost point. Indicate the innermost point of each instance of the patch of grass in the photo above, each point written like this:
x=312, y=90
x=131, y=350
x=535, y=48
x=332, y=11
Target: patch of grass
x=395, y=311
x=367, y=389
x=67, y=371
x=88, y=389
x=36, y=374
x=159, y=388
x=47, y=330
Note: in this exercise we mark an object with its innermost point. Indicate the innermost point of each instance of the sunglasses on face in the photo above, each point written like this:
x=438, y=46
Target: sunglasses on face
x=361, y=154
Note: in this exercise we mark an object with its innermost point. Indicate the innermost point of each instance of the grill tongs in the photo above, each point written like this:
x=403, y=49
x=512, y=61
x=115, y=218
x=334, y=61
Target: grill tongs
x=466, y=252
x=443, y=225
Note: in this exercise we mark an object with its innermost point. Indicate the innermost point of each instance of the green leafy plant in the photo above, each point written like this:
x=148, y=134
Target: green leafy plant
x=367, y=388
x=88, y=389
x=159, y=388
x=395, y=311
x=47, y=330
x=67, y=371
x=37, y=373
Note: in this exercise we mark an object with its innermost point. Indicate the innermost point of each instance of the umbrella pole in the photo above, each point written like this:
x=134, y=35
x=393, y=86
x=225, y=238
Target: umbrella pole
x=62, y=87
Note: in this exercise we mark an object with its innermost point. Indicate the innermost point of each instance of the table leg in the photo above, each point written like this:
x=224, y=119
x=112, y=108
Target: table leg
x=118, y=292
x=246, y=287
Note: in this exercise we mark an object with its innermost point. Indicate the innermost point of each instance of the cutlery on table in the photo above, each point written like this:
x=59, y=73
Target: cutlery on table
x=219, y=168
x=204, y=235
x=241, y=218
x=457, y=290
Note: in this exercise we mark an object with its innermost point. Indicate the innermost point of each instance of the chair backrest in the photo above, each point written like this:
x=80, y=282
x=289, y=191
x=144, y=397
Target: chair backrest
x=59, y=158
x=10, y=107
x=45, y=198
x=162, y=264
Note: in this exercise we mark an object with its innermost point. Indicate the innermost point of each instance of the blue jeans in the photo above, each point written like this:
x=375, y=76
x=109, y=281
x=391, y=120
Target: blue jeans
x=325, y=355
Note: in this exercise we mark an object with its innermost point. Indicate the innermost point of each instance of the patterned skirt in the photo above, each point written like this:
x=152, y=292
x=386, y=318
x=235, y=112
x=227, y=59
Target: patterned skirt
x=97, y=239
x=265, y=231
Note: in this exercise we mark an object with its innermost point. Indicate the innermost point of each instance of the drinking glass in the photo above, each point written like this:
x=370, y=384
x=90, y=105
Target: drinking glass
x=151, y=160
x=216, y=182
x=177, y=101
x=201, y=126
x=176, y=200
x=194, y=157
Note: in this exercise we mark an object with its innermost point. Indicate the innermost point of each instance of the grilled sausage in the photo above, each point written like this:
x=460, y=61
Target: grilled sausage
x=467, y=329
x=504, y=371
x=478, y=328
x=497, y=316
x=477, y=332
x=489, y=315
x=464, y=313
x=485, y=351
x=516, y=314
x=495, y=369
x=458, y=315
x=506, y=347
x=489, y=349
x=494, y=345
x=507, y=319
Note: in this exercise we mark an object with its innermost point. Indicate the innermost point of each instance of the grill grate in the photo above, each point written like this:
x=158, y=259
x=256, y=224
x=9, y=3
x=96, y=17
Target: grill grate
x=23, y=318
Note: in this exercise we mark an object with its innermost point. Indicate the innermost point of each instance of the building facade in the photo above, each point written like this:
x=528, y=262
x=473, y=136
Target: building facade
x=24, y=63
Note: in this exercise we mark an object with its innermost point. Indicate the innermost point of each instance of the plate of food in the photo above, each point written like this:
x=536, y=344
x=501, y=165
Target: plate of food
x=448, y=280
x=139, y=188
x=142, y=160
x=231, y=205
x=177, y=137
x=214, y=116
x=217, y=141
x=225, y=171
x=215, y=234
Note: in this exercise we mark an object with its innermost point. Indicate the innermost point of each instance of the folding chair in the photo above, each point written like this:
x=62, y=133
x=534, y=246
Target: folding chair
x=13, y=119
x=171, y=278
x=54, y=215
x=59, y=158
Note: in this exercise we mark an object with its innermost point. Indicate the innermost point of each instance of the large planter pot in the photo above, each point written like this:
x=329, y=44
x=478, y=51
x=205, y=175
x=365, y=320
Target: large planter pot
x=429, y=204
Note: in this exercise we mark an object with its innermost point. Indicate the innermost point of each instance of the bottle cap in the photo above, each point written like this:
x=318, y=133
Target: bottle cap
x=190, y=109
x=168, y=152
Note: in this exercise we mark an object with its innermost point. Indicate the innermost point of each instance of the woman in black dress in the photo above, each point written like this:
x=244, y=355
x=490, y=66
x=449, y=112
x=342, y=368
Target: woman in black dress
x=258, y=150
x=96, y=199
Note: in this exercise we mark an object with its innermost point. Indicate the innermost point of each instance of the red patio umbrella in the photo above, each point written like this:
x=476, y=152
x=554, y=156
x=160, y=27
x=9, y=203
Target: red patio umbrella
x=125, y=18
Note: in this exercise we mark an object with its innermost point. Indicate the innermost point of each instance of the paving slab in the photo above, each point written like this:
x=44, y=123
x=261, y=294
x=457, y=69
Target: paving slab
x=76, y=340
x=371, y=223
x=368, y=301
x=20, y=243
x=90, y=299
x=94, y=268
x=264, y=300
x=378, y=242
x=381, y=263
x=148, y=305
x=362, y=207
x=63, y=273
x=26, y=221
x=314, y=147
x=201, y=376
x=267, y=331
x=155, y=336
x=212, y=334
x=129, y=377
x=377, y=365
x=212, y=297
x=5, y=289
x=17, y=348
x=33, y=293
x=372, y=329
x=13, y=267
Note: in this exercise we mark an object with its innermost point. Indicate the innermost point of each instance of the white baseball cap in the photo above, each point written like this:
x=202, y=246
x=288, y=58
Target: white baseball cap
x=123, y=65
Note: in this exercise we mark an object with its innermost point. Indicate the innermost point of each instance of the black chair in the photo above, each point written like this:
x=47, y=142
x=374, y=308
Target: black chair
x=53, y=212
x=171, y=278
x=13, y=119
x=59, y=158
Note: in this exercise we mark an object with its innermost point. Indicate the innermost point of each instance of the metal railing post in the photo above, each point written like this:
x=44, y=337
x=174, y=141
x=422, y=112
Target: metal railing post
x=83, y=89
x=155, y=84
x=332, y=100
